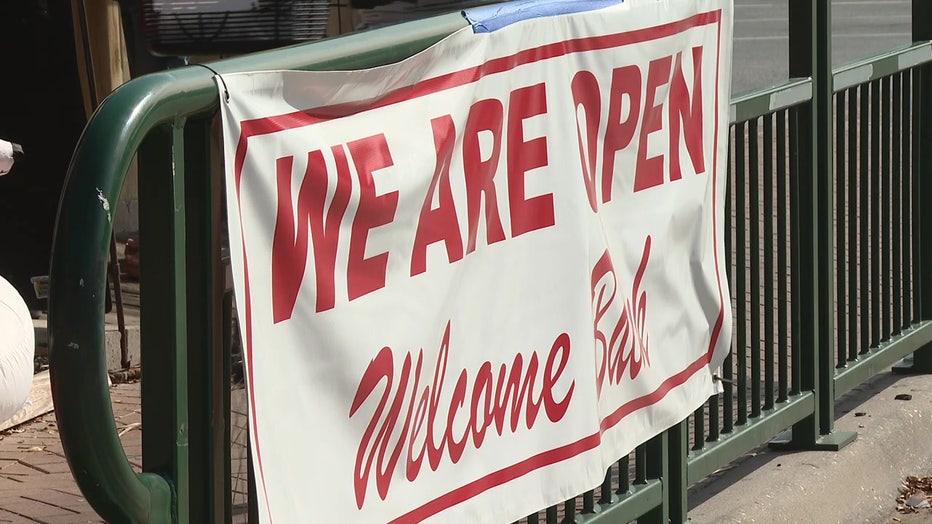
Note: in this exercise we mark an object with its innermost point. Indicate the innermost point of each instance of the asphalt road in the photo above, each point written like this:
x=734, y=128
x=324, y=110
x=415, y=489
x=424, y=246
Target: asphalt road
x=860, y=28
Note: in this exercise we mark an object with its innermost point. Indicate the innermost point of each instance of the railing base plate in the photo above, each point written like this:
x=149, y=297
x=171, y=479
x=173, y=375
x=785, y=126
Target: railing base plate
x=831, y=442
x=909, y=366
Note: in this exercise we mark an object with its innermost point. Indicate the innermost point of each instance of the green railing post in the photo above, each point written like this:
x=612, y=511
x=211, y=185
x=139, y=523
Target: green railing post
x=812, y=228
x=226, y=337
x=208, y=383
x=921, y=360
x=163, y=318
x=922, y=31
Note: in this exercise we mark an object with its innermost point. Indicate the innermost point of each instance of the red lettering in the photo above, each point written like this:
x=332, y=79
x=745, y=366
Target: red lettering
x=413, y=466
x=585, y=88
x=516, y=390
x=483, y=389
x=458, y=399
x=627, y=348
x=690, y=113
x=289, y=252
x=649, y=171
x=381, y=367
x=435, y=451
x=365, y=275
x=626, y=85
x=387, y=434
x=555, y=410
x=484, y=116
x=435, y=225
x=527, y=214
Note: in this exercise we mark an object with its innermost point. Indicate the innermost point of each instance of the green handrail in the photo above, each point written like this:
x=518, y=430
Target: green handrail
x=80, y=248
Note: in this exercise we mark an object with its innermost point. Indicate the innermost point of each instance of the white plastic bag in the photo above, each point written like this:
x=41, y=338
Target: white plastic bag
x=6, y=157
x=17, y=351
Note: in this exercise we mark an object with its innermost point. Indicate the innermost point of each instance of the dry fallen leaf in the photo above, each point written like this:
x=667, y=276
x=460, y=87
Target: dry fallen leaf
x=128, y=428
x=915, y=494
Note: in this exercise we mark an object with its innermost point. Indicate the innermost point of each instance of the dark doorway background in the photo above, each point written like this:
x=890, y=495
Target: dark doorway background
x=41, y=108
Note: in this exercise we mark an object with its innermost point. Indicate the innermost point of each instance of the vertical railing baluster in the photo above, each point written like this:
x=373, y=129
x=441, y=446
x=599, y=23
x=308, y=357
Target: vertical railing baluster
x=588, y=503
x=624, y=475
x=885, y=231
x=841, y=267
x=783, y=273
x=699, y=428
x=875, y=234
x=855, y=200
x=769, y=275
x=906, y=210
x=896, y=223
x=714, y=418
x=640, y=464
x=795, y=335
x=569, y=511
x=755, y=262
x=740, y=275
x=163, y=319
x=730, y=225
x=605, y=491
x=864, y=212
x=207, y=433
x=728, y=396
x=915, y=189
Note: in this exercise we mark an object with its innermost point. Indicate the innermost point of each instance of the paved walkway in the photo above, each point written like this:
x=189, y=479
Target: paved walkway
x=35, y=482
x=855, y=485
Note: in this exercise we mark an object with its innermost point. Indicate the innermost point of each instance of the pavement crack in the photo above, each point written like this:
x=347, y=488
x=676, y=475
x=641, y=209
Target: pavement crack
x=32, y=466
x=69, y=493
x=52, y=504
x=27, y=517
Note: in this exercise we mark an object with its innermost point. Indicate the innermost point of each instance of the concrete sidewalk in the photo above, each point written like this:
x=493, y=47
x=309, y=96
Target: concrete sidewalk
x=36, y=484
x=855, y=485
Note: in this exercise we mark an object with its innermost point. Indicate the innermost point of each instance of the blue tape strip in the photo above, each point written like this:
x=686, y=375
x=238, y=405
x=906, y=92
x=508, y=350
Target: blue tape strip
x=489, y=18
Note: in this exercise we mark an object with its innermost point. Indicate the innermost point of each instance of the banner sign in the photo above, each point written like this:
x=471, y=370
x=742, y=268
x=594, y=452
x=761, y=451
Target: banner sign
x=470, y=281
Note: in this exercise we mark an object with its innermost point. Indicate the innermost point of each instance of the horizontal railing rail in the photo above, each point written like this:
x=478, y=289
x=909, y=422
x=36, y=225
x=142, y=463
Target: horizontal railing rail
x=877, y=201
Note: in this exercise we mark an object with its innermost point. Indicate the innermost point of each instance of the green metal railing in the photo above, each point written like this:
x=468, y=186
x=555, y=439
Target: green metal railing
x=881, y=177
x=830, y=267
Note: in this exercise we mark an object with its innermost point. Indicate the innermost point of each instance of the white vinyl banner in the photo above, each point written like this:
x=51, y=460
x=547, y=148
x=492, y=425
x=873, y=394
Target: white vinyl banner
x=470, y=281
